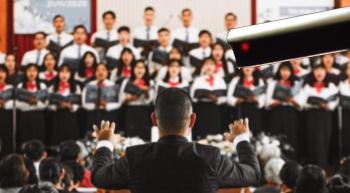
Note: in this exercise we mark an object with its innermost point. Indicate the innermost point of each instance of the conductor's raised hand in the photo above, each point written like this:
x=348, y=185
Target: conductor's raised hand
x=106, y=131
x=238, y=127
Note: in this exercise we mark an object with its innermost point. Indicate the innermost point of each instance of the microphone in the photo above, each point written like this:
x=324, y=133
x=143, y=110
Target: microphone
x=296, y=37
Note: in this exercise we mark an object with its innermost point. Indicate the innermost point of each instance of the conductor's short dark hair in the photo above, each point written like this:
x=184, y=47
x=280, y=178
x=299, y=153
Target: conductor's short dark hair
x=173, y=109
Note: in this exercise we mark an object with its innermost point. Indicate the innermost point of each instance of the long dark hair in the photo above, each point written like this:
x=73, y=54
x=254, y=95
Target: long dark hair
x=146, y=76
x=310, y=79
x=25, y=79
x=4, y=69
x=256, y=77
x=167, y=76
x=223, y=60
x=292, y=78
x=311, y=180
x=121, y=63
x=43, y=67
x=82, y=67
x=71, y=80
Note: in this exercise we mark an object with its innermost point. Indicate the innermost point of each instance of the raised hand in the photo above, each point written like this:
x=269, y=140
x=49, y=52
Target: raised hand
x=236, y=128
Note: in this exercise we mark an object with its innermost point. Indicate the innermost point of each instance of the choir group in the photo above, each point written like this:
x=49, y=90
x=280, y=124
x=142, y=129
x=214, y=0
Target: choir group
x=64, y=86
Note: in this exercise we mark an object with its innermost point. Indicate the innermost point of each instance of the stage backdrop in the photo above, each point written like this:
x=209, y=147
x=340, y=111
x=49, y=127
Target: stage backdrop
x=269, y=10
x=208, y=14
x=33, y=15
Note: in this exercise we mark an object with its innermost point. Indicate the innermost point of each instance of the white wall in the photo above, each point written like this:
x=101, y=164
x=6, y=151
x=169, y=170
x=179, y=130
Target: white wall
x=208, y=14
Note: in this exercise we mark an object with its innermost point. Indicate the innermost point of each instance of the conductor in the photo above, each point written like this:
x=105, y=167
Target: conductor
x=173, y=164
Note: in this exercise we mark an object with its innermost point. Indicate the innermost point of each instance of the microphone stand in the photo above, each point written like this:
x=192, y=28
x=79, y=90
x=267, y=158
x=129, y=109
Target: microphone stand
x=14, y=118
x=340, y=131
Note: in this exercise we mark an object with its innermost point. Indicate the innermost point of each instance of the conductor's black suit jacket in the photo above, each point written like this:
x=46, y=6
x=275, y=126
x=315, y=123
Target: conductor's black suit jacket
x=174, y=165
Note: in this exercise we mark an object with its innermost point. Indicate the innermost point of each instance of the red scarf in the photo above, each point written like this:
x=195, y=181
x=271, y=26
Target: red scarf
x=49, y=75
x=140, y=83
x=210, y=80
x=126, y=72
x=248, y=83
x=89, y=72
x=218, y=67
x=2, y=86
x=101, y=84
x=286, y=83
x=31, y=86
x=63, y=86
x=297, y=71
x=319, y=86
x=173, y=84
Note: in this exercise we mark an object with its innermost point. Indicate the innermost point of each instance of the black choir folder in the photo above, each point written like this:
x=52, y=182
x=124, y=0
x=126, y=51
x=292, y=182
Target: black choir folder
x=203, y=93
x=112, y=62
x=24, y=95
x=109, y=93
x=281, y=92
x=242, y=91
x=146, y=44
x=314, y=100
x=185, y=46
x=195, y=62
x=56, y=99
x=72, y=62
x=55, y=48
x=105, y=44
x=345, y=102
x=160, y=57
x=6, y=94
x=132, y=89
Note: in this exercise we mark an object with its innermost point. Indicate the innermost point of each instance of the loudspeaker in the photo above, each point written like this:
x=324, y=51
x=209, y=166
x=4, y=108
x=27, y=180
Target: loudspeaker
x=296, y=37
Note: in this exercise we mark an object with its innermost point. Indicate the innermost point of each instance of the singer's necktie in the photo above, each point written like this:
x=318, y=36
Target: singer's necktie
x=203, y=54
x=38, y=58
x=79, y=51
x=187, y=38
x=59, y=40
x=147, y=33
x=108, y=35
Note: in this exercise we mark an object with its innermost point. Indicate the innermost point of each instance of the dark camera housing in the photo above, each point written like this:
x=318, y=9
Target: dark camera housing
x=296, y=37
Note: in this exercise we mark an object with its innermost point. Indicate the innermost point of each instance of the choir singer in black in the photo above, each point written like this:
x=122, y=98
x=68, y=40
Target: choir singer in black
x=174, y=165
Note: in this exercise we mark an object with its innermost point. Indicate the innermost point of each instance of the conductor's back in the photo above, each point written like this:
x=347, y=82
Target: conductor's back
x=173, y=164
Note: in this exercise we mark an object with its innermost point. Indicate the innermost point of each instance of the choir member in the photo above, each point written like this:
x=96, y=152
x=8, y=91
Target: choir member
x=6, y=105
x=64, y=100
x=126, y=62
x=114, y=52
x=186, y=33
x=59, y=39
x=208, y=93
x=175, y=54
x=284, y=102
x=49, y=69
x=14, y=76
x=197, y=55
x=298, y=68
x=31, y=101
x=107, y=37
x=320, y=99
x=344, y=89
x=160, y=55
x=328, y=61
x=230, y=23
x=246, y=92
x=138, y=94
x=86, y=68
x=222, y=68
x=101, y=98
x=145, y=37
x=36, y=55
x=173, y=77
x=72, y=54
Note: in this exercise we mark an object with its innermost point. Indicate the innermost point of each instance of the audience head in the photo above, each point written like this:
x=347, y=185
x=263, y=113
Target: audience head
x=32, y=172
x=13, y=172
x=39, y=40
x=50, y=171
x=124, y=35
x=205, y=38
x=173, y=112
x=69, y=151
x=338, y=184
x=230, y=20
x=109, y=18
x=311, y=179
x=77, y=170
x=148, y=16
x=31, y=189
x=272, y=170
x=186, y=17
x=289, y=174
x=344, y=168
x=34, y=150
x=58, y=23
x=80, y=34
